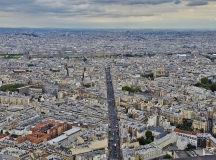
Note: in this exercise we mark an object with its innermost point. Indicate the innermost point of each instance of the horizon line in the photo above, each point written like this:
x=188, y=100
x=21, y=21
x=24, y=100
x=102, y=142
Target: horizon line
x=118, y=28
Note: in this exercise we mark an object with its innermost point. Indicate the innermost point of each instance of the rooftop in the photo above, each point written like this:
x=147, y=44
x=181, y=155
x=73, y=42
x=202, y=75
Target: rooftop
x=71, y=131
x=57, y=139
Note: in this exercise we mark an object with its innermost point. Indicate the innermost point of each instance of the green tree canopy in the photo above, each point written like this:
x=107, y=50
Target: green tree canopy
x=143, y=141
x=207, y=84
x=148, y=134
x=14, y=136
x=205, y=80
x=11, y=87
x=187, y=126
x=130, y=115
x=167, y=156
x=87, y=85
x=213, y=87
x=150, y=75
x=126, y=88
x=190, y=147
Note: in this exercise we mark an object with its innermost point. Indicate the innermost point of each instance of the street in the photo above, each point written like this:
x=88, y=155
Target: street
x=114, y=138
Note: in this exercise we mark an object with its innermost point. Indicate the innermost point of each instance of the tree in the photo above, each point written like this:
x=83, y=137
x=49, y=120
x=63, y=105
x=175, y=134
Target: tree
x=150, y=75
x=207, y=84
x=148, y=134
x=185, y=126
x=190, y=147
x=202, y=130
x=126, y=88
x=87, y=85
x=149, y=138
x=197, y=84
x=143, y=141
x=152, y=138
x=54, y=70
x=147, y=141
x=130, y=115
x=213, y=87
x=204, y=80
x=167, y=156
x=210, y=82
x=11, y=87
x=14, y=136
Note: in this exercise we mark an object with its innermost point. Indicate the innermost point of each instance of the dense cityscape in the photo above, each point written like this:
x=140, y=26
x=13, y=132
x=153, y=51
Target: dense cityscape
x=100, y=94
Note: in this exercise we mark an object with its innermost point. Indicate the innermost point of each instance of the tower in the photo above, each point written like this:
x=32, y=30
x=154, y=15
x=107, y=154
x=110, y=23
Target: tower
x=155, y=70
x=163, y=69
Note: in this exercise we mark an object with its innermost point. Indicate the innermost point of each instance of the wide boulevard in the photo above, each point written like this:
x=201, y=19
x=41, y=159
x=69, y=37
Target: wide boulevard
x=114, y=138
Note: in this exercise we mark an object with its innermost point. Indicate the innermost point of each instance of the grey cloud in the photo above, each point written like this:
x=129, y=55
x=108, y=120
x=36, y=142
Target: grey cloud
x=177, y=2
x=79, y=2
x=197, y=3
x=116, y=15
x=82, y=8
x=62, y=2
x=15, y=2
x=131, y=2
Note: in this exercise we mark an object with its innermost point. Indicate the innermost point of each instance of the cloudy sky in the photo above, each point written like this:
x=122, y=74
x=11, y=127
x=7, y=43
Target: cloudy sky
x=108, y=13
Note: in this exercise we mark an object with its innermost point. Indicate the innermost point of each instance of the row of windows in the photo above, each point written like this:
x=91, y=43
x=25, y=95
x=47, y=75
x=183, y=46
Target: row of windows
x=9, y=100
x=182, y=135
